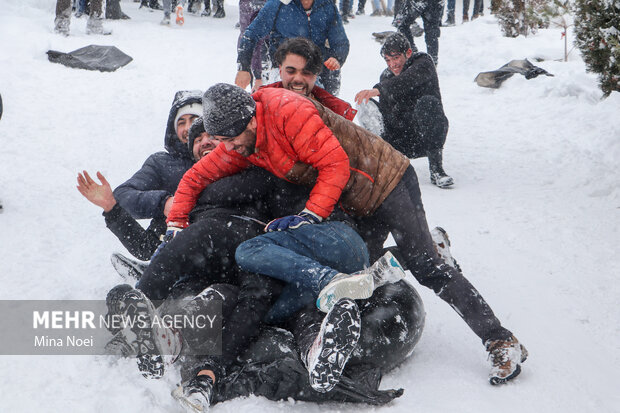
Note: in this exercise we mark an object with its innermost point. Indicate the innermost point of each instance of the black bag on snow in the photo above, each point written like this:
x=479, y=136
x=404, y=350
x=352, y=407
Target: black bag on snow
x=93, y=57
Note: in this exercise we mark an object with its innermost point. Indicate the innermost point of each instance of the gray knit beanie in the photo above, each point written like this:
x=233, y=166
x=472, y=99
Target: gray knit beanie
x=227, y=110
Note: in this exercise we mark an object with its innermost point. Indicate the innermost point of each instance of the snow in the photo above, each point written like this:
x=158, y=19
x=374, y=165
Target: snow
x=533, y=216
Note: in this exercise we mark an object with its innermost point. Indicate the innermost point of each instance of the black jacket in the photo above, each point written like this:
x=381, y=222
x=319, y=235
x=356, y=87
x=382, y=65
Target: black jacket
x=397, y=102
x=144, y=195
x=140, y=242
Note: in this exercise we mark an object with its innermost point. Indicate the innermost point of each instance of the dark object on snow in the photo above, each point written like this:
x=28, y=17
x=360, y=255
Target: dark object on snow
x=93, y=57
x=495, y=78
x=381, y=36
x=0, y=106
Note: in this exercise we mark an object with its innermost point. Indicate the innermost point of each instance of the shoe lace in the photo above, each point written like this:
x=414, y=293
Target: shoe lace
x=499, y=352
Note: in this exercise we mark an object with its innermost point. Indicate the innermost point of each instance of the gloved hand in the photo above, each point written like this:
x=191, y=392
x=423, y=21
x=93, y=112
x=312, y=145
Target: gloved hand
x=293, y=221
x=171, y=232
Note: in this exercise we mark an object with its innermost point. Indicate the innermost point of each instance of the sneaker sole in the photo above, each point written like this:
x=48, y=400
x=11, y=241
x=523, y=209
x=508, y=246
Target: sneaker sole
x=150, y=362
x=356, y=287
x=341, y=330
x=445, y=184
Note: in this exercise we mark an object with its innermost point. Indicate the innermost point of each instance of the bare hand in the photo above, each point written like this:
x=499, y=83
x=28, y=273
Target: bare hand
x=365, y=95
x=100, y=195
x=168, y=206
x=257, y=83
x=243, y=79
x=332, y=63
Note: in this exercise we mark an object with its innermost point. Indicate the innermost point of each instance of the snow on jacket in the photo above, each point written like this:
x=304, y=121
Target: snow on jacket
x=289, y=135
x=285, y=19
x=399, y=95
x=144, y=195
x=337, y=105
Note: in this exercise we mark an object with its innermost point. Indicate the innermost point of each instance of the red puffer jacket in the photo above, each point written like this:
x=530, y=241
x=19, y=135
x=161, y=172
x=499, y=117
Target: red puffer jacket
x=289, y=133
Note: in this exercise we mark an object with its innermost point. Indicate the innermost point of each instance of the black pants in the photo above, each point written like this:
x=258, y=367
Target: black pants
x=427, y=131
x=200, y=255
x=402, y=214
x=431, y=18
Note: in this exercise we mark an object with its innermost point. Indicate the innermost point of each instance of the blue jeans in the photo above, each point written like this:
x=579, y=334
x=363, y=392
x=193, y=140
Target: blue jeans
x=306, y=258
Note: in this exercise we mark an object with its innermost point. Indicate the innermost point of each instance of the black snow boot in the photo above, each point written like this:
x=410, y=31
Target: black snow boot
x=207, y=10
x=438, y=175
x=449, y=20
x=219, y=9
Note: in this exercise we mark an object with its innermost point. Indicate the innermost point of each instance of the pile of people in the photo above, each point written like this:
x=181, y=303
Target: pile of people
x=274, y=205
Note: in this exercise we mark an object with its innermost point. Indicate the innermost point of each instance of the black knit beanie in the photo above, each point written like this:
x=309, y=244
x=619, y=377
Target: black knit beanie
x=227, y=110
x=194, y=131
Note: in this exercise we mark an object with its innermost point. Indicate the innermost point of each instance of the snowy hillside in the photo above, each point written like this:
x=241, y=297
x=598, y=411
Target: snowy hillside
x=534, y=216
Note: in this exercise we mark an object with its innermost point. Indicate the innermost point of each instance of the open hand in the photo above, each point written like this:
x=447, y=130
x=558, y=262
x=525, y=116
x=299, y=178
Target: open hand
x=100, y=195
x=243, y=79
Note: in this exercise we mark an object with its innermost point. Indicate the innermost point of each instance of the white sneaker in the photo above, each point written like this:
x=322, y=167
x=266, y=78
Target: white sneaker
x=386, y=270
x=356, y=286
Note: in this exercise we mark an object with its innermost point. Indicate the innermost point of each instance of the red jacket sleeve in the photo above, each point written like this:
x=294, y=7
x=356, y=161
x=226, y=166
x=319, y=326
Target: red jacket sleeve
x=314, y=144
x=216, y=165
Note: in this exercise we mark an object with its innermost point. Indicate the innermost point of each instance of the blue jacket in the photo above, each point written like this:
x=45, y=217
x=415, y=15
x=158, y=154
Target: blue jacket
x=287, y=19
x=144, y=195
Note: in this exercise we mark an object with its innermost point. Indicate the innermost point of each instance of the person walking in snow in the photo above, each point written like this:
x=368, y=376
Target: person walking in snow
x=317, y=20
x=303, y=142
x=410, y=104
x=248, y=10
x=63, y=18
x=407, y=11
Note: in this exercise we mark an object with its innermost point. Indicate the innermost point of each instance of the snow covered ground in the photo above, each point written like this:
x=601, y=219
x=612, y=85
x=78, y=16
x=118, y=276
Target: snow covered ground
x=533, y=218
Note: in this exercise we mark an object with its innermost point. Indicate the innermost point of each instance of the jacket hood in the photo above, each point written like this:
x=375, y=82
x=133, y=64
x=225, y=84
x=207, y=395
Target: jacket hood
x=171, y=142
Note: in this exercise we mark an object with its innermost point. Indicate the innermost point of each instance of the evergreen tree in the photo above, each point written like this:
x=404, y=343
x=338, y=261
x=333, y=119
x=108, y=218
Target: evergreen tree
x=597, y=28
x=521, y=16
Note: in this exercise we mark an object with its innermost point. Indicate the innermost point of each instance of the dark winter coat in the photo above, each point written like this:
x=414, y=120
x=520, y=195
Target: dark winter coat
x=283, y=20
x=398, y=98
x=140, y=242
x=253, y=193
x=144, y=195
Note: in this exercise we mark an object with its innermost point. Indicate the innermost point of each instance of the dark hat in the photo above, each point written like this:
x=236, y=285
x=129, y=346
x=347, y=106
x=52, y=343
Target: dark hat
x=227, y=110
x=396, y=43
x=195, y=130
